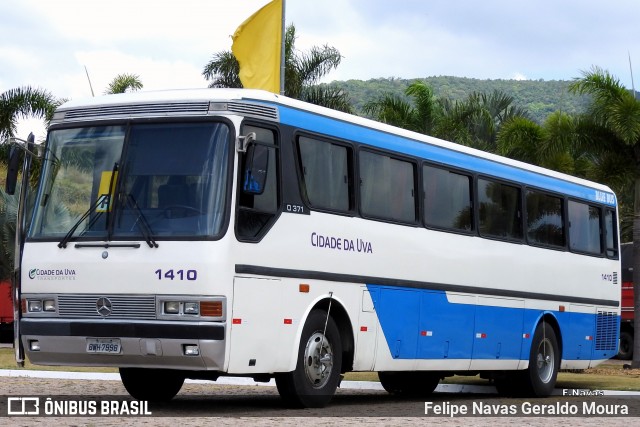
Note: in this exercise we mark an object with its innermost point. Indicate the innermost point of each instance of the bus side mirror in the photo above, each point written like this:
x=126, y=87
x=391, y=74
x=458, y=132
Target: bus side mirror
x=12, y=170
x=255, y=169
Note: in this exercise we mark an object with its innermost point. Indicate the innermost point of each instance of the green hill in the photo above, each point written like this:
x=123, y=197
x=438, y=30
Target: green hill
x=539, y=97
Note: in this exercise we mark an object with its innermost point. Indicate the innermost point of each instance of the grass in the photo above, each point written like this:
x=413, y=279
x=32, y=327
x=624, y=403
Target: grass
x=608, y=376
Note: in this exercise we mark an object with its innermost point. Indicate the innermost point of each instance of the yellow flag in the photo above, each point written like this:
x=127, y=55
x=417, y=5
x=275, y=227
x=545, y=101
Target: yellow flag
x=257, y=45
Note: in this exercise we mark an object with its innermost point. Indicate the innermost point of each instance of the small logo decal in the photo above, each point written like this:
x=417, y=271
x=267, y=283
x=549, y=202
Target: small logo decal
x=32, y=273
x=103, y=306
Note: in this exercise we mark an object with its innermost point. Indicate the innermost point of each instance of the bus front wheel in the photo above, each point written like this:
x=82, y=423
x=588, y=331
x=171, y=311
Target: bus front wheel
x=154, y=385
x=317, y=375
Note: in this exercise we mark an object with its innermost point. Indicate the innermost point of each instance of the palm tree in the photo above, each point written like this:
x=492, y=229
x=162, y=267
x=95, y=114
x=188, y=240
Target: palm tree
x=123, y=83
x=476, y=121
x=16, y=104
x=420, y=116
x=303, y=71
x=21, y=103
x=223, y=70
x=553, y=145
x=614, y=115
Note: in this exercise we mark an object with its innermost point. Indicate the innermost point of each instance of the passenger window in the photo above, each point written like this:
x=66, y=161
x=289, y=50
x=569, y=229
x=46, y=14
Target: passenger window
x=499, y=211
x=545, y=222
x=387, y=187
x=584, y=228
x=325, y=173
x=611, y=233
x=447, y=199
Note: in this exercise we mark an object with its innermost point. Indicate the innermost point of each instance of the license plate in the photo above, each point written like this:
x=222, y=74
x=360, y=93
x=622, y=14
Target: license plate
x=109, y=346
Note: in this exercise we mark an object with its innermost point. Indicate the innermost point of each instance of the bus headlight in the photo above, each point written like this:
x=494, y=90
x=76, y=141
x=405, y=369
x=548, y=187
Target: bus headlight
x=191, y=308
x=35, y=306
x=49, y=305
x=172, y=307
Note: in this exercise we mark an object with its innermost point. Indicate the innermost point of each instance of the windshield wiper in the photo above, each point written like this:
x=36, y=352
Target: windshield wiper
x=99, y=201
x=92, y=208
x=142, y=222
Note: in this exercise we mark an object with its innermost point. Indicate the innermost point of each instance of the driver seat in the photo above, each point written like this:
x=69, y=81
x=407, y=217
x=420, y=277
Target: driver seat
x=174, y=192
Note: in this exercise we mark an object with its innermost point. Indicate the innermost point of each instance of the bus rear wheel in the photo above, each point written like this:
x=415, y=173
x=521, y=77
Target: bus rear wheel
x=317, y=375
x=539, y=379
x=409, y=383
x=154, y=385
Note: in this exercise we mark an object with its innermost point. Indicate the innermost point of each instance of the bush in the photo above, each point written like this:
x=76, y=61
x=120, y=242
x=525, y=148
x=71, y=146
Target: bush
x=8, y=211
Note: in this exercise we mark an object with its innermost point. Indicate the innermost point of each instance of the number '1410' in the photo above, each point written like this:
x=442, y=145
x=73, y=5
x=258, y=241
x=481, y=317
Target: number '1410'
x=177, y=275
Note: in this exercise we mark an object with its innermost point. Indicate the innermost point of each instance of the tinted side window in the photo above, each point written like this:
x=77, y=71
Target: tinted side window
x=584, y=228
x=325, y=173
x=447, y=199
x=545, y=225
x=499, y=210
x=387, y=187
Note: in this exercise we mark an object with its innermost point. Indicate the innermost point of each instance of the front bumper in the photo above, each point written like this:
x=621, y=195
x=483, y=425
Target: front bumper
x=144, y=344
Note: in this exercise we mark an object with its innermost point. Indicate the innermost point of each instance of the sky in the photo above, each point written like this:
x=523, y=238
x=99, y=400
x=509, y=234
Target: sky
x=54, y=44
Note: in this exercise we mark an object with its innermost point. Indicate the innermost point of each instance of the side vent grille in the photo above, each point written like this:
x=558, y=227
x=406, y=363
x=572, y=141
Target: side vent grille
x=170, y=109
x=254, y=110
x=615, y=277
x=138, y=110
x=606, y=327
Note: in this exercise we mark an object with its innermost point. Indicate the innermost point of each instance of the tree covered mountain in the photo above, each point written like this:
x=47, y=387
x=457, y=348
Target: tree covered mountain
x=539, y=97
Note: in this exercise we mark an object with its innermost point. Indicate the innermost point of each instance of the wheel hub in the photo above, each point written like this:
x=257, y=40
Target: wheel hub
x=318, y=358
x=545, y=361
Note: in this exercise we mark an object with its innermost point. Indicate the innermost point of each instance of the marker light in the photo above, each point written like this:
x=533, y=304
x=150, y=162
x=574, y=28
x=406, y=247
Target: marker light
x=218, y=106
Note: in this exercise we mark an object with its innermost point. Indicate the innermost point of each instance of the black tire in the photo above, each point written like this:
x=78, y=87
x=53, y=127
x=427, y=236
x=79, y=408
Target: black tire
x=539, y=379
x=625, y=352
x=317, y=375
x=409, y=383
x=154, y=385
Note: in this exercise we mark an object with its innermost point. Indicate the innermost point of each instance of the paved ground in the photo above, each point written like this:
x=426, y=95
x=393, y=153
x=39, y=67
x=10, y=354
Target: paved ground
x=244, y=402
x=200, y=403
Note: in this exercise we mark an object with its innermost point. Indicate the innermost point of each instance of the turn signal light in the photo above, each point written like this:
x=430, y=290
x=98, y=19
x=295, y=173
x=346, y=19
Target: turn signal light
x=211, y=308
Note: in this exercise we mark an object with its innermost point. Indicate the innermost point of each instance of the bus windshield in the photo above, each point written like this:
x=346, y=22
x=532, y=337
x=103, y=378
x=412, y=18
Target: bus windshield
x=122, y=182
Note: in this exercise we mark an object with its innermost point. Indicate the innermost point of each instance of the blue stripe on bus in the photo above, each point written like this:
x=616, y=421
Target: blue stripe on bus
x=353, y=132
x=423, y=324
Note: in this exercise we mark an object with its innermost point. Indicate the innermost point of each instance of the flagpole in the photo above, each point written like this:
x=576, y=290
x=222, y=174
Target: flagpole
x=282, y=53
x=633, y=87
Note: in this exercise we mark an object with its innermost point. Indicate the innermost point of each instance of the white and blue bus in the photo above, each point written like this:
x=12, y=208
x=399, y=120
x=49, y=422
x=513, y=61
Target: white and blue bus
x=206, y=233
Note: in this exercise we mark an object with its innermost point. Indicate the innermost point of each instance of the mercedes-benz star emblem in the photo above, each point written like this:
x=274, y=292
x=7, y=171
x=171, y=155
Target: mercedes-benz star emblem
x=103, y=306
